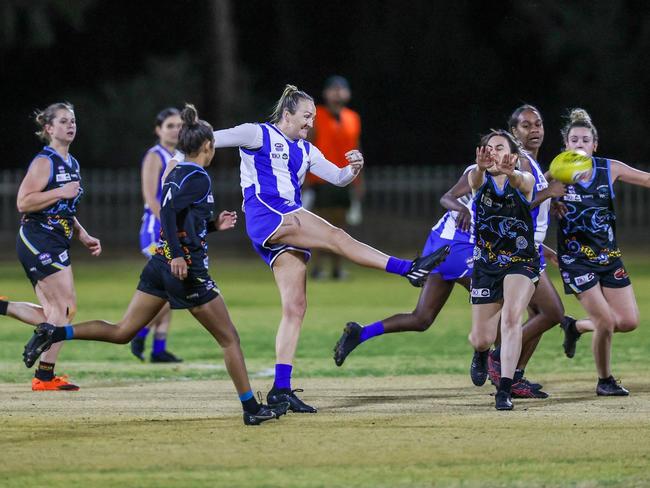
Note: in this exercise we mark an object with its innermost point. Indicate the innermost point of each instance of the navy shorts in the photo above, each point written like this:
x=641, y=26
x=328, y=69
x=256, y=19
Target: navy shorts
x=459, y=262
x=580, y=277
x=264, y=215
x=487, y=281
x=198, y=288
x=42, y=252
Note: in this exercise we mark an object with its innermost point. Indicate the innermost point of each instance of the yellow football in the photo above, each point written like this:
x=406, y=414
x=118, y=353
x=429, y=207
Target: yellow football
x=570, y=166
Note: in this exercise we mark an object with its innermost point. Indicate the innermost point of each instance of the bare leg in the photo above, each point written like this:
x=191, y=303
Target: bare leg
x=549, y=312
x=142, y=309
x=26, y=312
x=517, y=291
x=215, y=318
x=305, y=229
x=433, y=297
x=57, y=295
x=485, y=321
x=602, y=318
x=289, y=270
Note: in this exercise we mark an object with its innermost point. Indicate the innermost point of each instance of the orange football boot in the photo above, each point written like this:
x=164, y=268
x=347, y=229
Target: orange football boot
x=58, y=383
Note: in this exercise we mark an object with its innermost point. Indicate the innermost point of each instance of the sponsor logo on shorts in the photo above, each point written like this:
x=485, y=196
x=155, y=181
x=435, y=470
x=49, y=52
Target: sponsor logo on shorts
x=45, y=226
x=566, y=277
x=32, y=270
x=574, y=246
x=603, y=258
x=521, y=242
x=45, y=258
x=209, y=285
x=620, y=274
x=63, y=256
x=566, y=259
x=585, y=278
x=480, y=292
x=192, y=296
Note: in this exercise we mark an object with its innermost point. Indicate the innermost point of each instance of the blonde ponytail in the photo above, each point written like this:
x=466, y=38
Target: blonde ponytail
x=289, y=100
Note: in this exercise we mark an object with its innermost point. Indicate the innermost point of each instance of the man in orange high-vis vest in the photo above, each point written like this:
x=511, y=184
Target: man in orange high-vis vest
x=337, y=130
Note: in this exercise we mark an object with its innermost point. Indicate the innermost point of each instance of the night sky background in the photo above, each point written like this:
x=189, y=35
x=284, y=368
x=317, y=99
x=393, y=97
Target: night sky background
x=427, y=76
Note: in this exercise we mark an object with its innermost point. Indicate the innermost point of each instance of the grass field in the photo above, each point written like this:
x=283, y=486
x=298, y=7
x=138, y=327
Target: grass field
x=401, y=412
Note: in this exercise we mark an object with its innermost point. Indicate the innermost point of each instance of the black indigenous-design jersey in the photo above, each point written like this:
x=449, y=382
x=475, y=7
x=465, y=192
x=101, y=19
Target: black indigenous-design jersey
x=587, y=233
x=503, y=227
x=187, y=208
x=58, y=216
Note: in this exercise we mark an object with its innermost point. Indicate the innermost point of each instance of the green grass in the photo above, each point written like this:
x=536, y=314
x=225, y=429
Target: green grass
x=400, y=413
x=104, y=290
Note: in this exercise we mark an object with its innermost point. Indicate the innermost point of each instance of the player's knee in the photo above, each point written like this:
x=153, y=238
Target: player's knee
x=295, y=310
x=480, y=342
x=604, y=323
x=628, y=324
x=421, y=322
x=338, y=237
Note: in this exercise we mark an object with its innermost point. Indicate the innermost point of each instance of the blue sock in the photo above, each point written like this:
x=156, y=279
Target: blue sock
x=69, y=332
x=159, y=346
x=398, y=266
x=282, y=376
x=372, y=330
x=144, y=332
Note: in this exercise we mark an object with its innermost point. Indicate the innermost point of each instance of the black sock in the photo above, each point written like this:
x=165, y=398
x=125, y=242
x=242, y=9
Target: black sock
x=496, y=354
x=519, y=374
x=251, y=405
x=505, y=384
x=3, y=307
x=59, y=334
x=602, y=381
x=45, y=371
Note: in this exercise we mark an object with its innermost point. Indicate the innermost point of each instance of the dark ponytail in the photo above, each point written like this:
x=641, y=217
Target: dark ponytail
x=194, y=131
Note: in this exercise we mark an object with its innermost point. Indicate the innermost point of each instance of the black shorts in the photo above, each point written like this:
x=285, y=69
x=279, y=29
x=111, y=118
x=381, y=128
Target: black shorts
x=41, y=251
x=579, y=277
x=487, y=281
x=156, y=279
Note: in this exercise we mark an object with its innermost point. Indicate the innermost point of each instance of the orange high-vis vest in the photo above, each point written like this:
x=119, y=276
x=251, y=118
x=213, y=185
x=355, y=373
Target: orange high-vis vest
x=335, y=137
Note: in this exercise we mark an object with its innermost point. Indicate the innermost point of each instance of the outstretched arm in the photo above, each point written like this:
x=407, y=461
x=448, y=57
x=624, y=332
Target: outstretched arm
x=628, y=174
x=330, y=172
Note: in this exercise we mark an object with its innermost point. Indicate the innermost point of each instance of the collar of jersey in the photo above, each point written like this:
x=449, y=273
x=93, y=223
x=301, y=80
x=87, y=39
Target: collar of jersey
x=282, y=134
x=190, y=163
x=66, y=161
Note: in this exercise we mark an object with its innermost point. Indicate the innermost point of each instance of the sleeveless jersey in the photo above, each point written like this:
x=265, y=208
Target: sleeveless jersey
x=503, y=225
x=587, y=233
x=165, y=156
x=277, y=169
x=187, y=202
x=446, y=226
x=58, y=216
x=542, y=213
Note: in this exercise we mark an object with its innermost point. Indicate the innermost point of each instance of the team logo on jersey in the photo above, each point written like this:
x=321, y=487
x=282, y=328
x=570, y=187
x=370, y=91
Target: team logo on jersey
x=566, y=259
x=480, y=292
x=487, y=201
x=279, y=146
x=63, y=177
x=585, y=278
x=603, y=191
x=521, y=242
x=620, y=274
x=63, y=257
x=566, y=277
x=574, y=247
x=285, y=156
x=45, y=258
